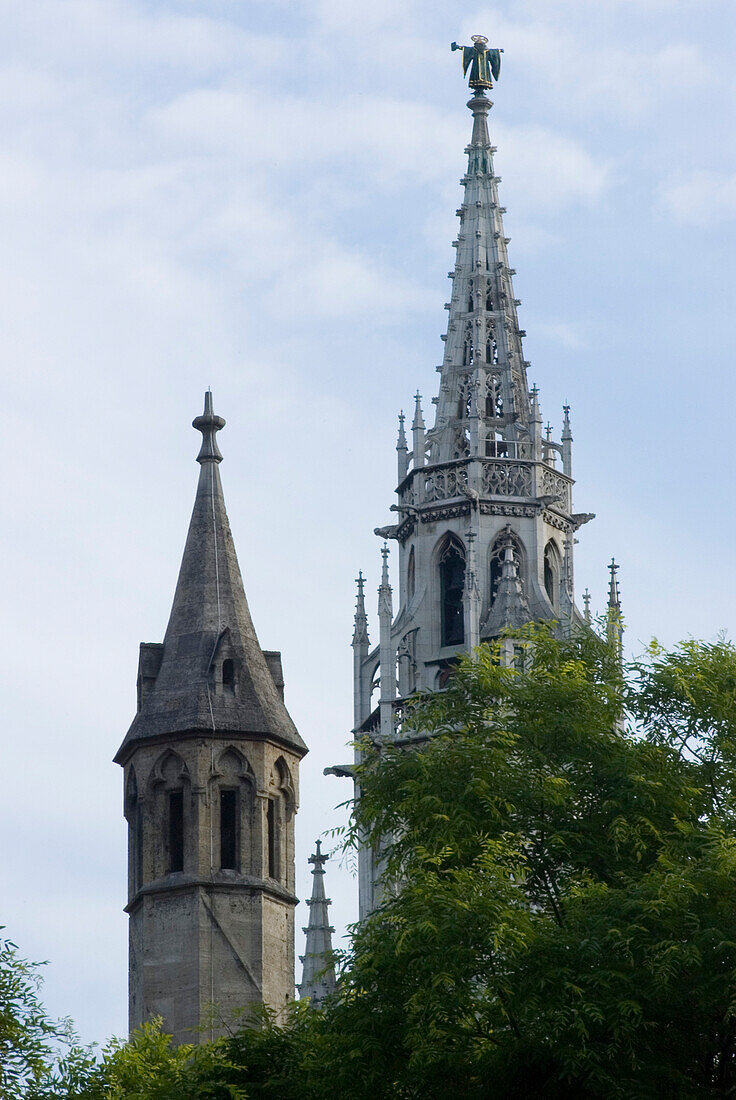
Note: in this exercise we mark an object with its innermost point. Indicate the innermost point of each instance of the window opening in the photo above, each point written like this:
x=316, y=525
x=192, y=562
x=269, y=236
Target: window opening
x=229, y=830
x=176, y=831
x=452, y=583
x=271, y=821
x=410, y=575
x=551, y=573
x=228, y=673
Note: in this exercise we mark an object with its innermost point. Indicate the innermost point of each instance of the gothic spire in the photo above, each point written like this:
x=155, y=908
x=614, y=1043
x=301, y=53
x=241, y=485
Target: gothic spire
x=360, y=631
x=318, y=973
x=483, y=359
x=614, y=625
x=209, y=623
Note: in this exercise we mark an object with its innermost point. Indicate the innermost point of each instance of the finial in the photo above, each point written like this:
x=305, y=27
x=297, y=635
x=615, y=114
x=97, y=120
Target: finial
x=401, y=445
x=360, y=581
x=418, y=421
x=208, y=424
x=586, y=604
x=384, y=571
x=318, y=859
x=548, y=430
x=566, y=433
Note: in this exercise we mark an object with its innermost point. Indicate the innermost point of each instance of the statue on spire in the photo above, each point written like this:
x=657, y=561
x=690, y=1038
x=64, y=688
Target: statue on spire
x=482, y=62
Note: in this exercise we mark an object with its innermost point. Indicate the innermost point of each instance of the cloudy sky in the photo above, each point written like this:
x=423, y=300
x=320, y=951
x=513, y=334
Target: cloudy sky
x=259, y=195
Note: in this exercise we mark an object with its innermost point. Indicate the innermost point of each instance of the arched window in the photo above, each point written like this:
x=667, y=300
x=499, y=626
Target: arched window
x=470, y=297
x=228, y=673
x=497, y=555
x=410, y=575
x=232, y=801
x=552, y=573
x=171, y=840
x=279, y=814
x=452, y=583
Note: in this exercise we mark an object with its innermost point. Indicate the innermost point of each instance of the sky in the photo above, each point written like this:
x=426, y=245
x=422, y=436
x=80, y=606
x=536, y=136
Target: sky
x=259, y=196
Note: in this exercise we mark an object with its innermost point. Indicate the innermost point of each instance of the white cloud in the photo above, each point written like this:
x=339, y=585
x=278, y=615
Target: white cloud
x=701, y=198
x=568, y=334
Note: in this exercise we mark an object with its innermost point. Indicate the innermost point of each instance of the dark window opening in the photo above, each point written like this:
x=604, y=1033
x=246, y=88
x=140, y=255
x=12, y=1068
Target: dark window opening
x=452, y=583
x=549, y=579
x=228, y=673
x=551, y=573
x=271, y=820
x=138, y=849
x=410, y=575
x=176, y=831
x=229, y=830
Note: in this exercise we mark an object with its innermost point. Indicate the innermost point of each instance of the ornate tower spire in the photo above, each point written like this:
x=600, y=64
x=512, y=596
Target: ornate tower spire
x=211, y=765
x=485, y=527
x=318, y=961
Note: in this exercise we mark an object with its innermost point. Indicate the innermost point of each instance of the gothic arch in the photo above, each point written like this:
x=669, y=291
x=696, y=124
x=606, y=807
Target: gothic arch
x=169, y=770
x=232, y=763
x=450, y=562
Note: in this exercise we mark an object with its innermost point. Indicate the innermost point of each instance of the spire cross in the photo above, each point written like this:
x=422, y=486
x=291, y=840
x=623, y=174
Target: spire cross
x=360, y=581
x=586, y=602
x=318, y=859
x=548, y=430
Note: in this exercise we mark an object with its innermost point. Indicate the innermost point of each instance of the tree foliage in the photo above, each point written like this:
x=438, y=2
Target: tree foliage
x=559, y=905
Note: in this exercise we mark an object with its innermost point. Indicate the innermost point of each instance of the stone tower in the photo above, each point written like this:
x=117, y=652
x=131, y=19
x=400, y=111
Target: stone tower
x=485, y=523
x=211, y=765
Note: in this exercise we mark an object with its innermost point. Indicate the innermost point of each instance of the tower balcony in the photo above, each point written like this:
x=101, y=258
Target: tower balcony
x=503, y=476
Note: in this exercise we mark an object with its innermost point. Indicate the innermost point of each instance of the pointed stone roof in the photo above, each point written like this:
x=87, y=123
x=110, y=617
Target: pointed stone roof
x=318, y=974
x=209, y=623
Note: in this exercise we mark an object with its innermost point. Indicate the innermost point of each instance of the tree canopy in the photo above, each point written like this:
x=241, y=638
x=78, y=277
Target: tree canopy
x=559, y=899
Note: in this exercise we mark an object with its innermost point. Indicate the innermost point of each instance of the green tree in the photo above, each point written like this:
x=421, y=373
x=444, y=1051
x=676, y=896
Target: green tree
x=35, y=1050
x=560, y=913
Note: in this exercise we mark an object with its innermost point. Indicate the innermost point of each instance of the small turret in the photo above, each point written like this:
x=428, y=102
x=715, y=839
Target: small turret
x=566, y=441
x=318, y=961
x=510, y=608
x=417, y=428
x=402, y=450
x=614, y=623
x=387, y=658
x=361, y=645
x=586, y=605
